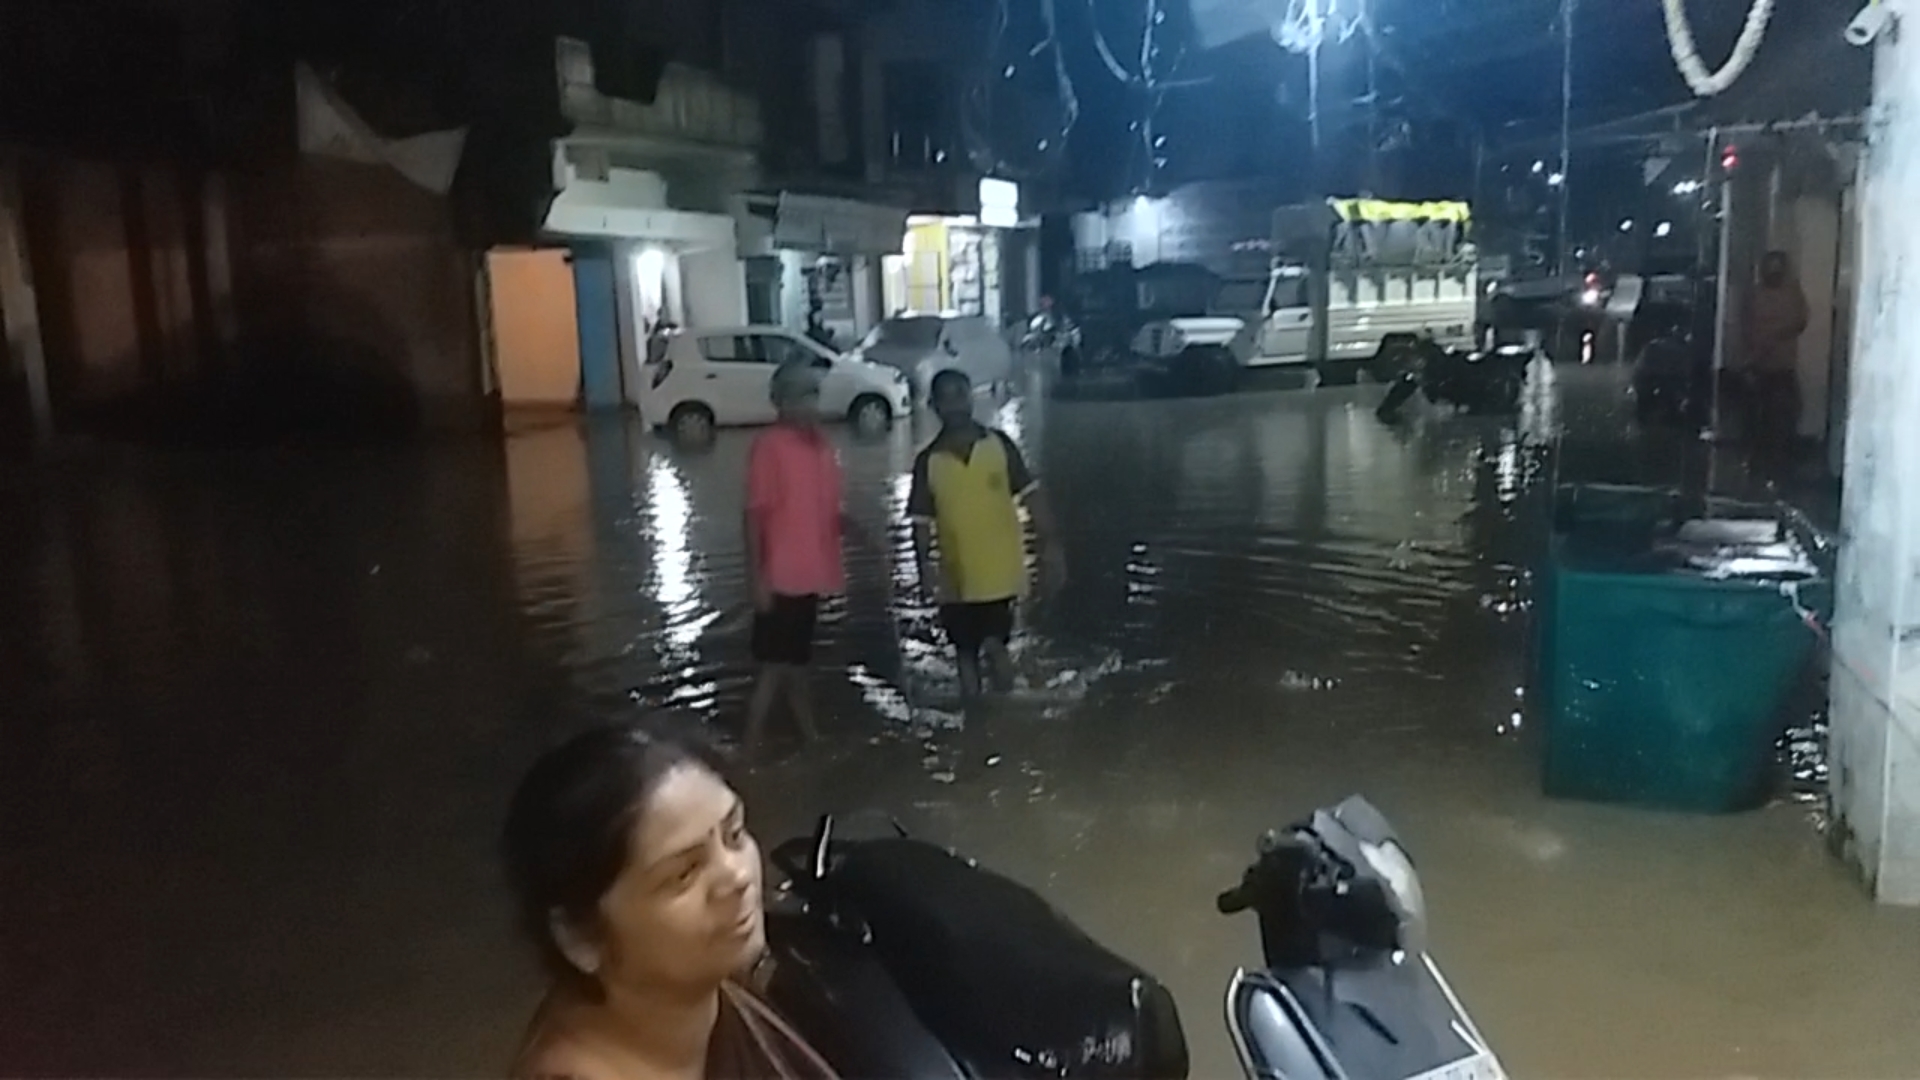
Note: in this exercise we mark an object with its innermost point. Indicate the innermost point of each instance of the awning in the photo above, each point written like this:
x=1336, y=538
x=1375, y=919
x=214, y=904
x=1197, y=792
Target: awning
x=330, y=127
x=587, y=208
x=838, y=226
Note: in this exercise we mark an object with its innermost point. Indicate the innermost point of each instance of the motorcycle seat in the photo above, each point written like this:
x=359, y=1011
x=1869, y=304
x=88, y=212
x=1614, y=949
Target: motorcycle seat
x=999, y=975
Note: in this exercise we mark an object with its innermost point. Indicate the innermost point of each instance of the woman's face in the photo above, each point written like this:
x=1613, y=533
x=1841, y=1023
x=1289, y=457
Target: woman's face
x=686, y=910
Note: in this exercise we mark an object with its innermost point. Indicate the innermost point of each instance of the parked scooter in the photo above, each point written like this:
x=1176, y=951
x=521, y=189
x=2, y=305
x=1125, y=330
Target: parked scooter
x=899, y=959
x=1348, y=990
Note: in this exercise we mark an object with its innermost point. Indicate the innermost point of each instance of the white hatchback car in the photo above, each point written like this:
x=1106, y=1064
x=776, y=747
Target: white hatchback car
x=924, y=345
x=708, y=378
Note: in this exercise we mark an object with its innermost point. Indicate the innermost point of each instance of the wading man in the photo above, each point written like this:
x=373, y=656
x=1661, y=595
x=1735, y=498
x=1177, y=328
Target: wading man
x=794, y=527
x=965, y=486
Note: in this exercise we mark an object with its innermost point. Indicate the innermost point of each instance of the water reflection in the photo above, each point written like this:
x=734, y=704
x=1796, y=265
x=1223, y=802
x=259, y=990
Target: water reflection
x=676, y=583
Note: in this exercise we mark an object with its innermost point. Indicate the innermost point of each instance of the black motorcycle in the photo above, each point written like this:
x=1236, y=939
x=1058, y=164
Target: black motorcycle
x=1489, y=381
x=899, y=959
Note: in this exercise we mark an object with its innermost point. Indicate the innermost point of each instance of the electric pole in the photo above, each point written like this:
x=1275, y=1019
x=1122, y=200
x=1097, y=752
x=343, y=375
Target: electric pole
x=1319, y=250
x=1564, y=248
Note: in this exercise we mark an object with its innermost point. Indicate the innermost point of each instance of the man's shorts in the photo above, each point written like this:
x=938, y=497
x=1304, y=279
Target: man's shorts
x=973, y=625
x=783, y=634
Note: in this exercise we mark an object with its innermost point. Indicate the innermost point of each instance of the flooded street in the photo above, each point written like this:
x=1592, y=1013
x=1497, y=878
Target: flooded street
x=264, y=713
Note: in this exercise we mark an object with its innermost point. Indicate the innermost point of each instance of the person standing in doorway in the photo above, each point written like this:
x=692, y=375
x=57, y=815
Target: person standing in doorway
x=964, y=490
x=794, y=525
x=1776, y=318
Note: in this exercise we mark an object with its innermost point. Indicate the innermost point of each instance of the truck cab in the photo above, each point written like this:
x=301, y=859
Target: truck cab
x=1389, y=268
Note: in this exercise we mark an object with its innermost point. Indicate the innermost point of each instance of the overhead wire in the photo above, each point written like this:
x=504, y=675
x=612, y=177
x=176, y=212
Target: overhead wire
x=976, y=114
x=1105, y=50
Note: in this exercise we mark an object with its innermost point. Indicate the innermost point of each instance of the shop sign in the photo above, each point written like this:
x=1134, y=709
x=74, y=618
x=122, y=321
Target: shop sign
x=999, y=203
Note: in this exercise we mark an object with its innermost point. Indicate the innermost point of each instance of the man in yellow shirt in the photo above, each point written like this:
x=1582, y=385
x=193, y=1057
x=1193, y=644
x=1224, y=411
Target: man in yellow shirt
x=965, y=485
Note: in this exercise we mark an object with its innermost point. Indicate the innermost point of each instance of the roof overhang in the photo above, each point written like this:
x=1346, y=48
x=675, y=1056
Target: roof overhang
x=590, y=209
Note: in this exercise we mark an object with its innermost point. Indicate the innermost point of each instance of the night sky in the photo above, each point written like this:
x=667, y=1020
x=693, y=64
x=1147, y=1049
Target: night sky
x=1446, y=75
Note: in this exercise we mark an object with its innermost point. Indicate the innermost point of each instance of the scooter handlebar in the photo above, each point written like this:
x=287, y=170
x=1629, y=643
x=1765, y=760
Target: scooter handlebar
x=1233, y=901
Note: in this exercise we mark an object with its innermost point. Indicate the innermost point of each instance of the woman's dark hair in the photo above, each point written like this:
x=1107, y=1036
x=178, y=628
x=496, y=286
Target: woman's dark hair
x=571, y=820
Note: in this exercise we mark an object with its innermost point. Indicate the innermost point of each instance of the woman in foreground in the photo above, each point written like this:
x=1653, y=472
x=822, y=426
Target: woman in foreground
x=638, y=882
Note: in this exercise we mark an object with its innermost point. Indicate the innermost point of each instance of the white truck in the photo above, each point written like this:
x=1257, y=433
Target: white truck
x=1392, y=268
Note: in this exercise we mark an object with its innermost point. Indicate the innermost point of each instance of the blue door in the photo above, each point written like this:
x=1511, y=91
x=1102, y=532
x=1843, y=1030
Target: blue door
x=599, y=329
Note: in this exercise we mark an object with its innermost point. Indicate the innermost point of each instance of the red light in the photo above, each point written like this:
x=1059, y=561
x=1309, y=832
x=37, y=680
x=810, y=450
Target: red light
x=1730, y=158
x=1593, y=281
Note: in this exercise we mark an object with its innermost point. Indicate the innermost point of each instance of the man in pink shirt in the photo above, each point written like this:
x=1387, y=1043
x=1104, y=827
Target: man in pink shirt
x=794, y=527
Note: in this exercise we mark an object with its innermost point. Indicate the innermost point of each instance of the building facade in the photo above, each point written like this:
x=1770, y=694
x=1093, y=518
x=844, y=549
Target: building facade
x=491, y=205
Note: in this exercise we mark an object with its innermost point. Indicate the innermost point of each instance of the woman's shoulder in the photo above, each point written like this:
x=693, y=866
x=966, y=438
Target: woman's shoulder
x=554, y=1052
x=559, y=1061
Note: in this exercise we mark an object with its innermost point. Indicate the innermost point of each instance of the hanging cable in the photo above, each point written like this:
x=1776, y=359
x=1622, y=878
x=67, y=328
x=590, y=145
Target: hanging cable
x=1069, y=101
x=1706, y=83
x=977, y=103
x=1105, y=50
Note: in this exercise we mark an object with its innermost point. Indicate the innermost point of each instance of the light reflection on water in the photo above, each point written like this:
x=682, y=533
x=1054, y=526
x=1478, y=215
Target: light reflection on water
x=676, y=583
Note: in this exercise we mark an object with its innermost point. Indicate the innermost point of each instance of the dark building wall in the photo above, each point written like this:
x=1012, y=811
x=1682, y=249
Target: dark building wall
x=351, y=297
x=358, y=265
x=322, y=290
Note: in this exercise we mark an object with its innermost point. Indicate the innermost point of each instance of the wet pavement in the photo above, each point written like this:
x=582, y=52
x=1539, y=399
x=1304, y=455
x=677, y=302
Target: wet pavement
x=264, y=711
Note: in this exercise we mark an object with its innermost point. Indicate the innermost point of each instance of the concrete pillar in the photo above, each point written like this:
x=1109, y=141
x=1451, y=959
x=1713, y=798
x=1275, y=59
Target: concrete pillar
x=629, y=338
x=1033, y=271
x=19, y=307
x=864, y=282
x=1875, y=755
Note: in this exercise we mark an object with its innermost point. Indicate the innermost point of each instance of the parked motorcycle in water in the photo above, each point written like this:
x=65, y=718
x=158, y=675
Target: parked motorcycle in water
x=1478, y=382
x=898, y=959
x=1348, y=990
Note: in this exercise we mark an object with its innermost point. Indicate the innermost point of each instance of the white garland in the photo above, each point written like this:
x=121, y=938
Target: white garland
x=1706, y=83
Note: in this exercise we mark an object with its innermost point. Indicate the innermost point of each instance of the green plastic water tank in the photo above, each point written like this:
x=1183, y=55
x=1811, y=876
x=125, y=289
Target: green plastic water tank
x=1659, y=688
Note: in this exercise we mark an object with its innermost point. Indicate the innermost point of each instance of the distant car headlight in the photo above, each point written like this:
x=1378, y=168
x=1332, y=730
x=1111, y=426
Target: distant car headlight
x=1590, y=298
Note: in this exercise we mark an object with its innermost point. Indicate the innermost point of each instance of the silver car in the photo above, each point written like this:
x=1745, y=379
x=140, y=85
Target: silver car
x=922, y=346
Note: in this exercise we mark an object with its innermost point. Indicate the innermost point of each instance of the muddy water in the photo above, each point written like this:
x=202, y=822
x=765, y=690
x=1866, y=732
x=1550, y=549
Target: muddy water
x=262, y=714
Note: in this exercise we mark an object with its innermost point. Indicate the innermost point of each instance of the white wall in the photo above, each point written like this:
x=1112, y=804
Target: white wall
x=715, y=288
x=793, y=289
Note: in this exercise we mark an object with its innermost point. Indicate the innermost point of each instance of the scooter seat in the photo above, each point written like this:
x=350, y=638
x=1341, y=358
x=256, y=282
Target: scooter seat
x=1000, y=976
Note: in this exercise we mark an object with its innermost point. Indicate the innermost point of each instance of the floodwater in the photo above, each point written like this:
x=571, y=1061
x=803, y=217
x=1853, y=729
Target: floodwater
x=263, y=712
